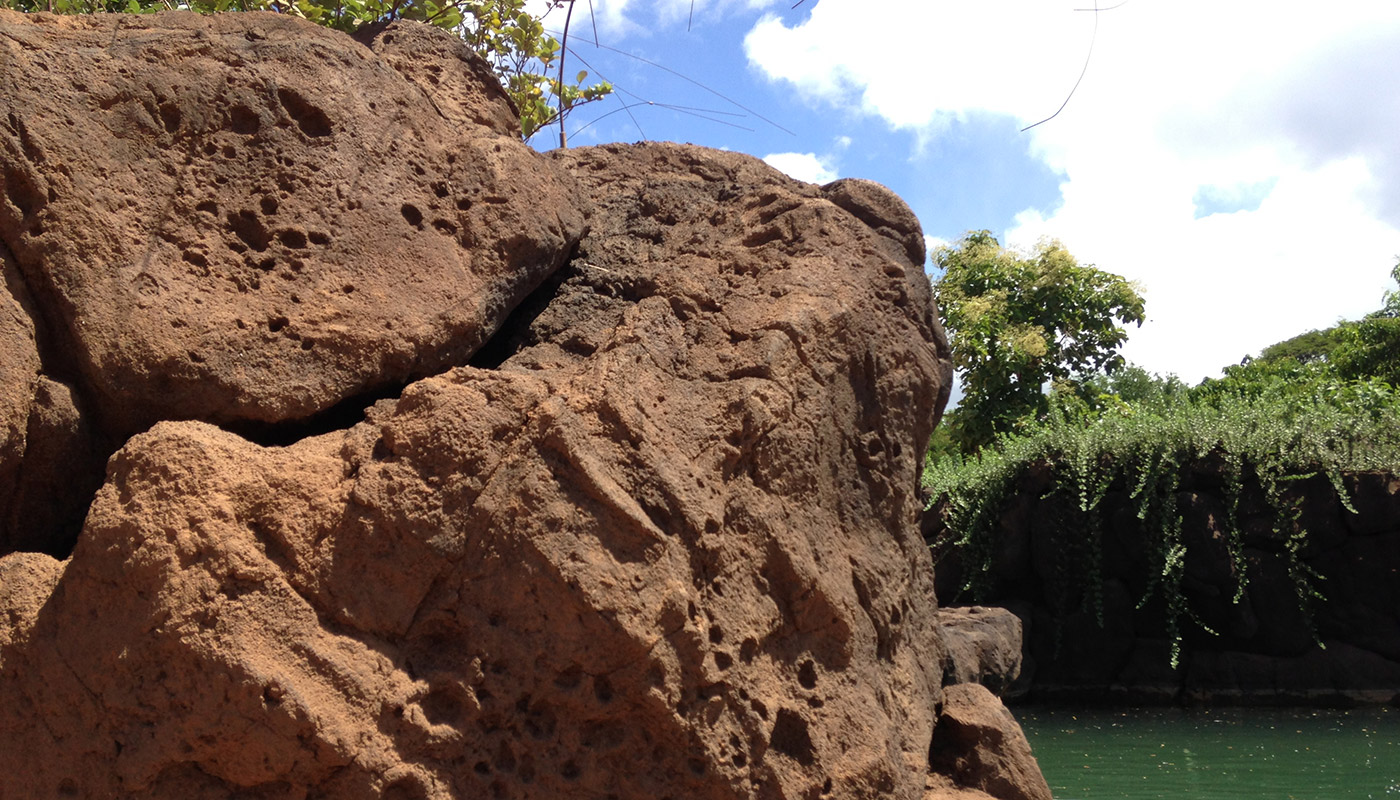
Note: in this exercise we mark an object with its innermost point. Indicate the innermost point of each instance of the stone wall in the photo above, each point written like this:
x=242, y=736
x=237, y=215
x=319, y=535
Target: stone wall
x=1266, y=646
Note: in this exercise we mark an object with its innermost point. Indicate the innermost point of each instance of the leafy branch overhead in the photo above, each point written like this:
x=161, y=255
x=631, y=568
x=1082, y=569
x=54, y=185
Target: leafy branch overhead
x=525, y=58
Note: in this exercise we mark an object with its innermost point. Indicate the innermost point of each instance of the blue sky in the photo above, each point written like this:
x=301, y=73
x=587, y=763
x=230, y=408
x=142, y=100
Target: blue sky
x=1235, y=158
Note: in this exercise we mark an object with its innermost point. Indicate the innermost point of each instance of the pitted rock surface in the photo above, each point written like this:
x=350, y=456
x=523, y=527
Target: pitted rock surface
x=660, y=538
x=251, y=218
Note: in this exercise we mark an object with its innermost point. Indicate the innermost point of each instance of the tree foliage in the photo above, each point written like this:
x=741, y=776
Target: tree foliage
x=524, y=57
x=1017, y=322
x=1361, y=350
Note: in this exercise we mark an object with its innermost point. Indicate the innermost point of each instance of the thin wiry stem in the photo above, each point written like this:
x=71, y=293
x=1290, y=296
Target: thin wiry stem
x=564, y=51
x=1093, y=38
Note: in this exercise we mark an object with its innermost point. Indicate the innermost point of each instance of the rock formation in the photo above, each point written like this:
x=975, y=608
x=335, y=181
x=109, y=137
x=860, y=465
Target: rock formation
x=437, y=468
x=984, y=647
x=1269, y=646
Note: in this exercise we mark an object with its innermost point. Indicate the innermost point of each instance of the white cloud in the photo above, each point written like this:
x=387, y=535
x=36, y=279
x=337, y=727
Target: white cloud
x=932, y=243
x=807, y=167
x=1297, y=104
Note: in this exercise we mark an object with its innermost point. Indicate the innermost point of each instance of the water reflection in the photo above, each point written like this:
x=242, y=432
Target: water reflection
x=1233, y=754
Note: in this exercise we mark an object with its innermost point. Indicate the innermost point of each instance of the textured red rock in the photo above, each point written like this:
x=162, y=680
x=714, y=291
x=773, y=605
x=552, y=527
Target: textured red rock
x=980, y=746
x=252, y=218
x=658, y=540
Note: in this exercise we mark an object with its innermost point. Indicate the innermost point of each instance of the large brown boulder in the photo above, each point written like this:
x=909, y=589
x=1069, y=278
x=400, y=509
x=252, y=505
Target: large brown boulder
x=250, y=218
x=659, y=538
x=668, y=547
x=247, y=220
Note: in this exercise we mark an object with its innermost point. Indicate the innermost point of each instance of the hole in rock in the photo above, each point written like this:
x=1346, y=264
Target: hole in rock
x=412, y=214
x=603, y=689
x=748, y=650
x=22, y=190
x=759, y=708
x=570, y=677
x=249, y=230
x=312, y=120
x=170, y=117
x=505, y=759
x=407, y=788
x=792, y=739
x=292, y=238
x=807, y=674
x=442, y=707
x=244, y=120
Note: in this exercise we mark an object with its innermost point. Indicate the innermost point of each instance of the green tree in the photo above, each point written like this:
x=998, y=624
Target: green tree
x=527, y=61
x=1305, y=348
x=1019, y=321
x=1362, y=350
x=1370, y=348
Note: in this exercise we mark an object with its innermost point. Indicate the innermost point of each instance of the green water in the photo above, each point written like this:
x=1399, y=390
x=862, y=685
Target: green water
x=1231, y=754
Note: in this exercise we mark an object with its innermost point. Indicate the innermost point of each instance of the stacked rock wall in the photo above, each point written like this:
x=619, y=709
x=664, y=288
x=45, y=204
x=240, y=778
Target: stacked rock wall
x=1276, y=643
x=410, y=463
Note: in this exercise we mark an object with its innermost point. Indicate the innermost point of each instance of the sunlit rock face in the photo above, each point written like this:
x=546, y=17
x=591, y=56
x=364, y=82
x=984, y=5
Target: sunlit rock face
x=436, y=467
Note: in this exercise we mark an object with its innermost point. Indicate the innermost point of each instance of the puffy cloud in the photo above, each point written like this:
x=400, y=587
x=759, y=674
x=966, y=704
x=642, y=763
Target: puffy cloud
x=803, y=166
x=932, y=243
x=1231, y=198
x=1279, y=116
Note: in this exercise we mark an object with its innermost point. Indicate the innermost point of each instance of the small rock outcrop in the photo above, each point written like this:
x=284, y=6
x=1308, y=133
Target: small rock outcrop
x=979, y=745
x=438, y=468
x=984, y=646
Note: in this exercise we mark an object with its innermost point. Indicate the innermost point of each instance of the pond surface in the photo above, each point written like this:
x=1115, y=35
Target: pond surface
x=1225, y=754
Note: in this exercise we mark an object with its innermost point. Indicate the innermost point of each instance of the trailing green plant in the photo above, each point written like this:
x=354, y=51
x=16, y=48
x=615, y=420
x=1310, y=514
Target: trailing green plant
x=1269, y=433
x=527, y=60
